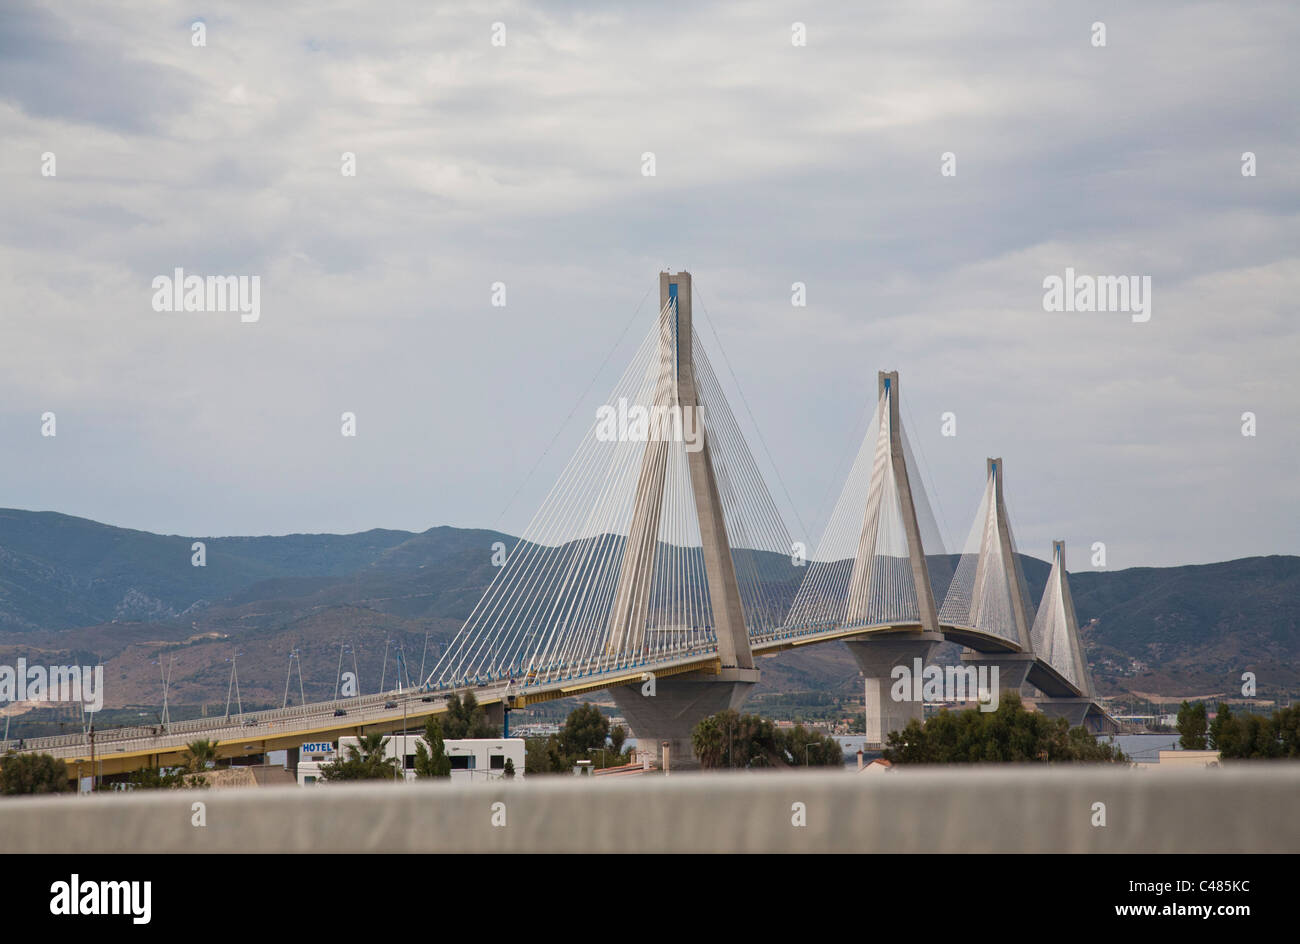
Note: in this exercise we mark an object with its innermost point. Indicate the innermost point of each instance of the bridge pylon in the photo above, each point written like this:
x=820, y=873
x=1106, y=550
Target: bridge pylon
x=875, y=576
x=987, y=605
x=651, y=565
x=678, y=703
x=1061, y=672
x=676, y=390
x=871, y=577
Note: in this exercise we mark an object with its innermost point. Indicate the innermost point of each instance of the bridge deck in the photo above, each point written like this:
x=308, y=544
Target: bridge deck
x=123, y=750
x=1051, y=682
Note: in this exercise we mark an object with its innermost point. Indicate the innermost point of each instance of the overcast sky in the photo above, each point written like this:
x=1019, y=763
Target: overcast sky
x=775, y=163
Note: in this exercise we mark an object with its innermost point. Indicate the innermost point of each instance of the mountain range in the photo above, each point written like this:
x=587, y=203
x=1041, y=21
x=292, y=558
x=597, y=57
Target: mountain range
x=72, y=589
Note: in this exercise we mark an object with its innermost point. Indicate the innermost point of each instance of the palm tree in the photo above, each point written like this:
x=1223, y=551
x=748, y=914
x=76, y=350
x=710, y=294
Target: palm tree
x=709, y=742
x=370, y=748
x=199, y=754
x=365, y=761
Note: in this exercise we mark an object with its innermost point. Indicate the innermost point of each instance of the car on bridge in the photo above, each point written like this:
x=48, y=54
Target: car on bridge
x=339, y=712
x=390, y=704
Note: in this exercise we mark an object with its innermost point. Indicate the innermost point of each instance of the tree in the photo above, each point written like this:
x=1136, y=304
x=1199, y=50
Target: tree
x=199, y=754
x=617, y=737
x=32, y=773
x=509, y=771
x=1288, y=730
x=584, y=732
x=730, y=739
x=804, y=747
x=1222, y=727
x=154, y=778
x=466, y=719
x=431, y=758
x=542, y=755
x=1249, y=736
x=709, y=742
x=1008, y=735
x=364, y=761
x=1191, y=725
x=585, y=729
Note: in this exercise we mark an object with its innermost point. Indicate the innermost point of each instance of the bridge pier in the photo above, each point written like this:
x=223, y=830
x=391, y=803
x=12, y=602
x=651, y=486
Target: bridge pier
x=1013, y=667
x=677, y=705
x=496, y=713
x=876, y=658
x=1079, y=712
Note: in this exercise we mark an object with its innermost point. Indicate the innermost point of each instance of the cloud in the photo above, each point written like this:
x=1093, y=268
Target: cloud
x=69, y=68
x=775, y=164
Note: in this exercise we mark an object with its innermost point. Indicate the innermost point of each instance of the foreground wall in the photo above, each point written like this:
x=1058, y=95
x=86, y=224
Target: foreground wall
x=1234, y=809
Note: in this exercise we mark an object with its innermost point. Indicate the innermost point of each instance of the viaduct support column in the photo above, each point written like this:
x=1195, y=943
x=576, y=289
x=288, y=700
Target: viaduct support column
x=678, y=705
x=878, y=654
x=876, y=659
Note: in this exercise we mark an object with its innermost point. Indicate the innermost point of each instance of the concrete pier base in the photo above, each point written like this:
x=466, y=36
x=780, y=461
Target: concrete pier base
x=678, y=704
x=876, y=658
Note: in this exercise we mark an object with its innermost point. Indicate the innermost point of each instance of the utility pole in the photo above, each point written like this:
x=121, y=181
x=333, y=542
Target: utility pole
x=423, y=653
x=401, y=668
x=233, y=684
x=293, y=654
x=338, y=676
x=167, y=680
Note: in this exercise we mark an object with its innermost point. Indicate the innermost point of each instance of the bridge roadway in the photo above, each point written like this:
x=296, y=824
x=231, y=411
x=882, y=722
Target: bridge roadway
x=122, y=750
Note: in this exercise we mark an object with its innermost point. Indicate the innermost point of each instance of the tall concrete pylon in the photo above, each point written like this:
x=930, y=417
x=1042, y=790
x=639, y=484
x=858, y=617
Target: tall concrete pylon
x=679, y=702
x=1061, y=672
x=677, y=388
x=878, y=654
x=1057, y=600
x=999, y=531
x=890, y=464
x=995, y=601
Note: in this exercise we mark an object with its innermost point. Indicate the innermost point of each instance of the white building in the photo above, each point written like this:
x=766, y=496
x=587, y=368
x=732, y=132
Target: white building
x=478, y=759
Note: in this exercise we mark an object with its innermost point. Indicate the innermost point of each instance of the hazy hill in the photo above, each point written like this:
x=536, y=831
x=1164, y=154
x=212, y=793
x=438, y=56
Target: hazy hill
x=72, y=585
x=60, y=572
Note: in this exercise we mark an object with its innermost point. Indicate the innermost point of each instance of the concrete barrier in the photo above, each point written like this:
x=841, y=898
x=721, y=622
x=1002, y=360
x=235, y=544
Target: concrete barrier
x=1240, y=808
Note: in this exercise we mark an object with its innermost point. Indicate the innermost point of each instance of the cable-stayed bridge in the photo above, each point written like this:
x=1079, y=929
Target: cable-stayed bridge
x=661, y=551
x=658, y=567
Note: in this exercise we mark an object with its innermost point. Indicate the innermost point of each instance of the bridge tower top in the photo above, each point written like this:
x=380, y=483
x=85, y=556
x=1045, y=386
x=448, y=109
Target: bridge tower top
x=871, y=568
x=678, y=387
x=891, y=398
x=988, y=591
x=658, y=546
